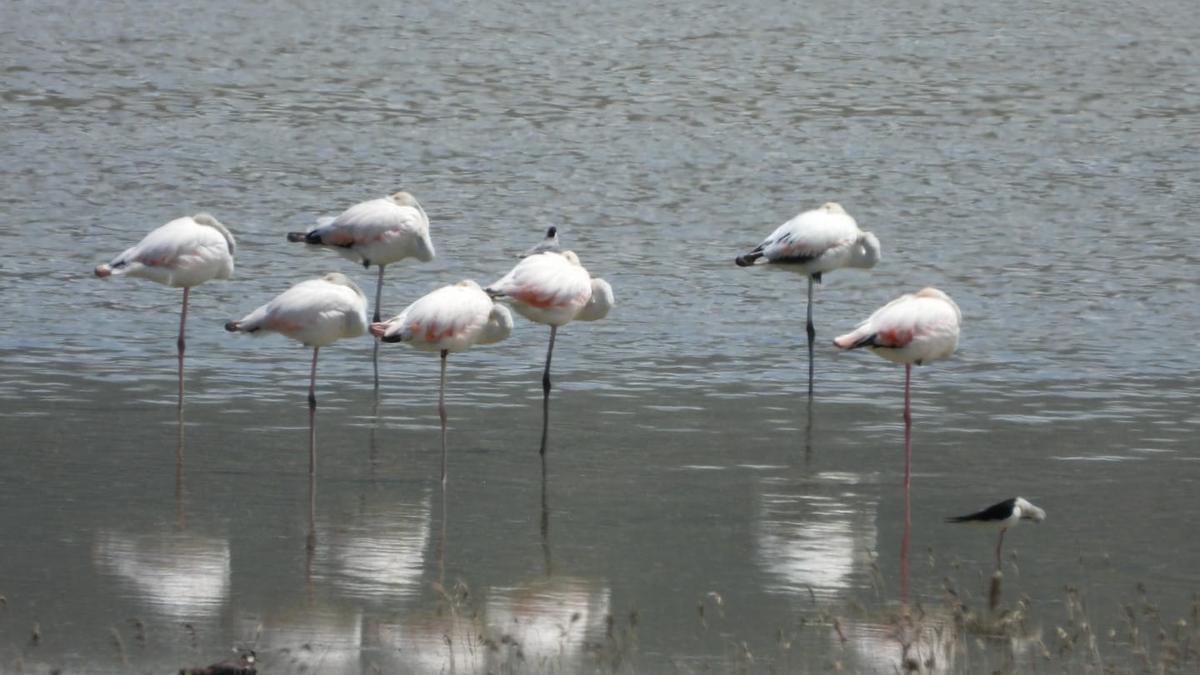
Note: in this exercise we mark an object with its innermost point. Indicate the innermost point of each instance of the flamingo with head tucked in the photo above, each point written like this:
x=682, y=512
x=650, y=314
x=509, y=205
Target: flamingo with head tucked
x=813, y=243
x=916, y=328
x=553, y=289
x=315, y=313
x=376, y=232
x=450, y=319
x=185, y=252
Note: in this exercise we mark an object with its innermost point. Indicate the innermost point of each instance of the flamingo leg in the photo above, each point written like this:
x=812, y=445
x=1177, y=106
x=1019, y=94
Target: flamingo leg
x=180, y=514
x=442, y=413
x=546, y=390
x=181, y=343
x=310, y=540
x=907, y=426
x=812, y=334
x=904, y=546
x=545, y=528
x=376, y=319
x=312, y=415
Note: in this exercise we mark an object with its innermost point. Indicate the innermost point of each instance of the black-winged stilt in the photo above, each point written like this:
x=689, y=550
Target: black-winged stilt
x=1003, y=515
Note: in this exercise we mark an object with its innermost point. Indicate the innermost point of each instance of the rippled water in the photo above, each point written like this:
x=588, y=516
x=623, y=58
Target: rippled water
x=1038, y=162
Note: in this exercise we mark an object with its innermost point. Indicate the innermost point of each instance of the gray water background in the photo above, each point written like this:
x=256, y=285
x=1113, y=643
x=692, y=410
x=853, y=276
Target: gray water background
x=1037, y=161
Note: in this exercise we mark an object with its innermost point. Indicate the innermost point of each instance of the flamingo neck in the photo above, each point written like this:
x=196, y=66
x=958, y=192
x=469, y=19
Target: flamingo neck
x=866, y=252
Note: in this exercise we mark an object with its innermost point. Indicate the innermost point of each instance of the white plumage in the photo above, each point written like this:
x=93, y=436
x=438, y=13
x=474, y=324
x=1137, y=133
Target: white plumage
x=817, y=241
x=914, y=328
x=553, y=289
x=452, y=318
x=185, y=252
x=599, y=304
x=315, y=313
x=548, y=287
x=376, y=232
x=812, y=243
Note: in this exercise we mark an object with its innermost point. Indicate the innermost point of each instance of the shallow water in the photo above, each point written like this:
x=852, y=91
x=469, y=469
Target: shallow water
x=1038, y=163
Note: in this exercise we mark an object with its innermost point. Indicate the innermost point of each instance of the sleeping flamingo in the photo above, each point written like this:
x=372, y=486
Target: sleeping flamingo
x=376, y=232
x=316, y=313
x=553, y=289
x=915, y=328
x=814, y=242
x=185, y=252
x=450, y=319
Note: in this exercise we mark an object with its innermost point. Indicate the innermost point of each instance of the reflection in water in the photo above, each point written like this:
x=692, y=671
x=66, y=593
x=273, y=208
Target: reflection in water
x=545, y=624
x=815, y=536
x=904, y=542
x=808, y=428
x=310, y=540
x=545, y=524
x=432, y=642
x=308, y=639
x=380, y=554
x=180, y=515
x=906, y=644
x=542, y=626
x=182, y=575
x=373, y=435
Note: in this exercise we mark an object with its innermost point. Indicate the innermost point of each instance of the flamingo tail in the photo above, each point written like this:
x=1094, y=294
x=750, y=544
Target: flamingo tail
x=749, y=258
x=313, y=238
x=855, y=340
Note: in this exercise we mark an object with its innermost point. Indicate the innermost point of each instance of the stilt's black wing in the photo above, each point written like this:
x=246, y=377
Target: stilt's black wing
x=992, y=514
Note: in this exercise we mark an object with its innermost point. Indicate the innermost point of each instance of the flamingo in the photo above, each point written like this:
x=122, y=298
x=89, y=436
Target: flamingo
x=553, y=289
x=816, y=241
x=376, y=232
x=450, y=319
x=185, y=252
x=548, y=243
x=915, y=328
x=1006, y=514
x=316, y=313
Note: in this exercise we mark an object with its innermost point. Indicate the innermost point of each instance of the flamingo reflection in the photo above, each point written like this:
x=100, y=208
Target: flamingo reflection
x=181, y=575
x=815, y=539
x=541, y=626
x=380, y=554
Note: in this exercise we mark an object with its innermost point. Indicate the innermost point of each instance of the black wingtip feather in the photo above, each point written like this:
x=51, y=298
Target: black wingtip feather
x=748, y=259
x=994, y=513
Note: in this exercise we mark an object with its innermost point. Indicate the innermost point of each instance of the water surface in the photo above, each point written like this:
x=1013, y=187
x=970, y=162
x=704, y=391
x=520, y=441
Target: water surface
x=1036, y=162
